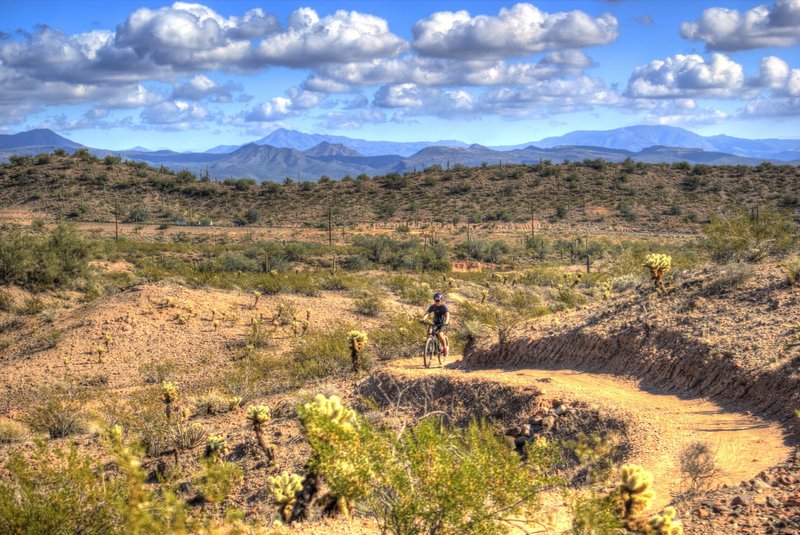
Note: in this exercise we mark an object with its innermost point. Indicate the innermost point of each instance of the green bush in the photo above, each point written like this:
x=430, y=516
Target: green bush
x=319, y=354
x=403, y=336
x=12, y=432
x=410, y=289
x=58, y=410
x=58, y=493
x=53, y=261
x=369, y=305
x=430, y=479
x=745, y=238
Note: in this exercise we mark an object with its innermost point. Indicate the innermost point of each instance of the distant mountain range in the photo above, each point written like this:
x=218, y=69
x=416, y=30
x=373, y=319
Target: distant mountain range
x=300, y=156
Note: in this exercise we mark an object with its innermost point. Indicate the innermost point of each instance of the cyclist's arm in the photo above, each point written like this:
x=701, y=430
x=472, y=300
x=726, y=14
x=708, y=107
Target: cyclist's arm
x=447, y=317
x=425, y=317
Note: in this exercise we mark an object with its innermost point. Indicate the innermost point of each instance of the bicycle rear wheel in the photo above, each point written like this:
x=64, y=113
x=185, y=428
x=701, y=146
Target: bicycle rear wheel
x=427, y=355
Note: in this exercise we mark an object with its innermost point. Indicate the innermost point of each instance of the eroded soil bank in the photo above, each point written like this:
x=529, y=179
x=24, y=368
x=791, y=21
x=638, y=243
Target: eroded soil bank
x=656, y=424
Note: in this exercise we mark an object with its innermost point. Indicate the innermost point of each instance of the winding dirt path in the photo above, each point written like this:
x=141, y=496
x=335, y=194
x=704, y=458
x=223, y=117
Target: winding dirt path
x=663, y=423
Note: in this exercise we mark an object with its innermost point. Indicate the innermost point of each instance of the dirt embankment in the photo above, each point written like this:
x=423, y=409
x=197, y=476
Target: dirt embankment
x=662, y=359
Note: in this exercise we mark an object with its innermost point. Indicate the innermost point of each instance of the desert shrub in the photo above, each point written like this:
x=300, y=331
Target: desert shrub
x=48, y=339
x=728, y=278
x=595, y=514
x=212, y=402
x=244, y=379
x=402, y=336
x=410, y=289
x=410, y=254
x=792, y=270
x=570, y=298
x=6, y=302
x=622, y=283
x=31, y=306
x=12, y=432
x=138, y=214
x=430, y=479
x=58, y=410
x=744, y=238
x=698, y=466
x=157, y=371
x=321, y=354
x=59, y=493
x=483, y=250
x=52, y=261
x=230, y=262
x=370, y=305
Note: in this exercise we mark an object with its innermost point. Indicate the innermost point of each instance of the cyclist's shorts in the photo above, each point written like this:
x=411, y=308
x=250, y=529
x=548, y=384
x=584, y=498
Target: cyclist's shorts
x=441, y=327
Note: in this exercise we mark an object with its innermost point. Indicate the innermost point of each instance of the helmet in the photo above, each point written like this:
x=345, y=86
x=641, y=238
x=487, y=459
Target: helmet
x=438, y=296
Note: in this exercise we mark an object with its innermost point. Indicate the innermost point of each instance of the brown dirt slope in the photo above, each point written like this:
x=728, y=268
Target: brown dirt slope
x=732, y=346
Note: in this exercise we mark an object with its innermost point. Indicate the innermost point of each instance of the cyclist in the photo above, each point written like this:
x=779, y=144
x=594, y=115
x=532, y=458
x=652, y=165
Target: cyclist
x=441, y=317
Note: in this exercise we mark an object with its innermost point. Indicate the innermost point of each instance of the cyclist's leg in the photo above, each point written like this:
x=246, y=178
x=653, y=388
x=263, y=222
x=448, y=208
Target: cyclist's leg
x=442, y=339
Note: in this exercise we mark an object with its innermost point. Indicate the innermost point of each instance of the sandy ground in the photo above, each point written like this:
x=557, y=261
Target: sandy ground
x=744, y=444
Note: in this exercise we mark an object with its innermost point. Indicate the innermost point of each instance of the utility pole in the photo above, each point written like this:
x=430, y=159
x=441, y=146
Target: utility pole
x=533, y=226
x=330, y=222
x=116, y=218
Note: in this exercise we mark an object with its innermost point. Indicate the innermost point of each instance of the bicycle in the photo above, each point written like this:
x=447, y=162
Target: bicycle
x=433, y=346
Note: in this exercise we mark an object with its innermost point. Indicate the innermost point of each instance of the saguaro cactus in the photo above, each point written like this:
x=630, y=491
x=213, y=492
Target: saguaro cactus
x=357, y=341
x=258, y=416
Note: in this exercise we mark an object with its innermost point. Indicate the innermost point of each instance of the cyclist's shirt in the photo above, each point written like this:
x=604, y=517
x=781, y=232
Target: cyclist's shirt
x=439, y=312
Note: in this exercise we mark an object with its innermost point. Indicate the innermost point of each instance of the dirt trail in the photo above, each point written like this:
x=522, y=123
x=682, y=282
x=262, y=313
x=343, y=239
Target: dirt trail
x=745, y=444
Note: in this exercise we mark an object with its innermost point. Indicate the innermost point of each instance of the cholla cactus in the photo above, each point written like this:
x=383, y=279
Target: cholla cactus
x=181, y=319
x=213, y=314
x=635, y=493
x=107, y=339
x=484, y=295
x=100, y=350
x=658, y=264
x=258, y=416
x=308, y=314
x=216, y=325
x=333, y=431
x=257, y=296
x=665, y=523
x=169, y=395
x=284, y=489
x=357, y=341
x=216, y=447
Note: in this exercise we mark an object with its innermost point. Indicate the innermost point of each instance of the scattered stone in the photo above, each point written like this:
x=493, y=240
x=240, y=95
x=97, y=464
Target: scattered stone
x=548, y=422
x=744, y=500
x=526, y=430
x=513, y=431
x=561, y=409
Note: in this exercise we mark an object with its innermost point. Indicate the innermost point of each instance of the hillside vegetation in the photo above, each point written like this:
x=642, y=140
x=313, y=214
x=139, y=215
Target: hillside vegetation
x=592, y=193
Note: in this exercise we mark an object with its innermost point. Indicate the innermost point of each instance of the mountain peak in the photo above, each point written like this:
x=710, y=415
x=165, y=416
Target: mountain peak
x=331, y=149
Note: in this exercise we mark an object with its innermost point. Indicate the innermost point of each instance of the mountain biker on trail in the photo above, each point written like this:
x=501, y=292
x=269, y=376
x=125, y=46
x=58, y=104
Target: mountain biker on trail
x=441, y=318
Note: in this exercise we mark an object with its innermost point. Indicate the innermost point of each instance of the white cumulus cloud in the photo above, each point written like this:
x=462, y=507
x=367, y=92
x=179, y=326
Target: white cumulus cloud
x=518, y=31
x=687, y=76
x=763, y=26
x=345, y=36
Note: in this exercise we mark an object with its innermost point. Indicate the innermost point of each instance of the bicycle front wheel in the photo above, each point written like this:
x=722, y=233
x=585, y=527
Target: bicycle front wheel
x=427, y=356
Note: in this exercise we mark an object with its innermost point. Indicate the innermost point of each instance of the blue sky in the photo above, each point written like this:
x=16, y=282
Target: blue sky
x=190, y=76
